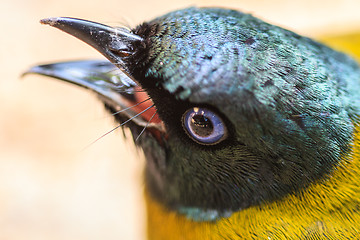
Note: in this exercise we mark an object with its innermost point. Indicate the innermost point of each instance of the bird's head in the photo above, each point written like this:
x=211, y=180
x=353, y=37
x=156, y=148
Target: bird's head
x=240, y=113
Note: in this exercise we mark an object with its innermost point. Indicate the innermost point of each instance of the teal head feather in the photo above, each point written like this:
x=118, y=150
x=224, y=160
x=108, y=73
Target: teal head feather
x=289, y=103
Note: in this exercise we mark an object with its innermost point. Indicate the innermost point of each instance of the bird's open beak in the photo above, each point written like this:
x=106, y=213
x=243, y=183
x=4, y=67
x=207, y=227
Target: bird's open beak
x=111, y=80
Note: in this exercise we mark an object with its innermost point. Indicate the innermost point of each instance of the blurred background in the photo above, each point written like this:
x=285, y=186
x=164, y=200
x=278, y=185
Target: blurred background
x=49, y=187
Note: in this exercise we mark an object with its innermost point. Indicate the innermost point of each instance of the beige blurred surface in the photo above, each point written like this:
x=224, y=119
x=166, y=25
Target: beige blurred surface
x=49, y=187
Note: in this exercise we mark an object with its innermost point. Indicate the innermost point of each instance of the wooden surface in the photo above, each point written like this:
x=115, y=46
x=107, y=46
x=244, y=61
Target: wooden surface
x=49, y=187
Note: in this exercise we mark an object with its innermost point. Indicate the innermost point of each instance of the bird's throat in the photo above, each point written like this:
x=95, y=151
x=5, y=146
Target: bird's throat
x=296, y=216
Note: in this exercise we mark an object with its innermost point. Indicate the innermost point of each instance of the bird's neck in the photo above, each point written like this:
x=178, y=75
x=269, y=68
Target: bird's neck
x=325, y=207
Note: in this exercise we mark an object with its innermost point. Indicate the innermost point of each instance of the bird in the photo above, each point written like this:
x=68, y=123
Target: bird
x=249, y=130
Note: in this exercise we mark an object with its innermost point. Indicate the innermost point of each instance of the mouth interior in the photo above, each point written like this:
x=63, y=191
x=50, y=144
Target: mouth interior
x=144, y=105
x=144, y=108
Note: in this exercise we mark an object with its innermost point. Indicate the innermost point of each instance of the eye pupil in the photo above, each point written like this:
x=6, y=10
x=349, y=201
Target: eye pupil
x=201, y=125
x=204, y=126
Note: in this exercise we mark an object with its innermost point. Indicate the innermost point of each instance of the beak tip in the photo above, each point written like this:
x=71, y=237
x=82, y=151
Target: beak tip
x=49, y=21
x=32, y=70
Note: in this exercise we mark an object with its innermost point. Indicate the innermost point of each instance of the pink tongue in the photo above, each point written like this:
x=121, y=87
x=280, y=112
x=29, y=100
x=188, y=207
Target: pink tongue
x=140, y=96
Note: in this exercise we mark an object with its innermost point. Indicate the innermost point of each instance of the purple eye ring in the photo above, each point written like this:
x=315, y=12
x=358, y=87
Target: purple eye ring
x=204, y=126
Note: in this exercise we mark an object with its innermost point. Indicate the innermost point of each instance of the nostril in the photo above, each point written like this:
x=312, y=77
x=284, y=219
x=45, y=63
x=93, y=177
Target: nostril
x=121, y=54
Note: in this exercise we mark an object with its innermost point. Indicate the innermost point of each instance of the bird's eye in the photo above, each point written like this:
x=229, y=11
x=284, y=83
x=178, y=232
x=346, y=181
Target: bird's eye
x=204, y=126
